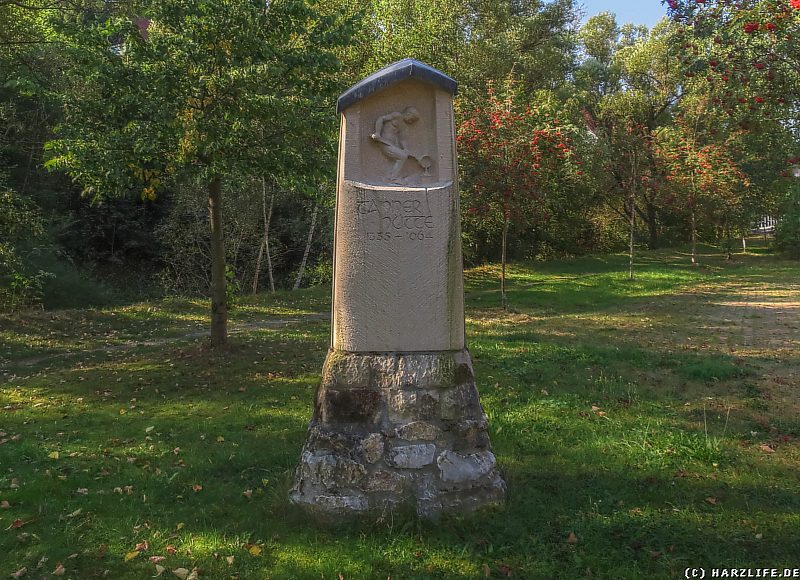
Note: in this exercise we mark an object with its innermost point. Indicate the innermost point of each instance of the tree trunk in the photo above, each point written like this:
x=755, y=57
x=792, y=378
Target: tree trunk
x=219, y=300
x=267, y=223
x=503, y=264
x=267, y=214
x=652, y=225
x=308, y=248
x=694, y=239
x=633, y=228
x=744, y=245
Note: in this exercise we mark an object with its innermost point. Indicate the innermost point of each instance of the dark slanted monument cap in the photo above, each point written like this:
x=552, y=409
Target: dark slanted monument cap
x=408, y=68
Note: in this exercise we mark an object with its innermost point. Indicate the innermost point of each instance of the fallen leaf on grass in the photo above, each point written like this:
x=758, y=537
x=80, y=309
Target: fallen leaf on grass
x=171, y=550
x=157, y=559
x=142, y=546
x=159, y=570
x=766, y=448
x=229, y=560
x=77, y=512
x=572, y=538
x=19, y=573
x=759, y=536
x=131, y=555
x=181, y=573
x=59, y=571
x=4, y=505
x=220, y=439
x=16, y=524
x=505, y=570
x=486, y=571
x=711, y=500
x=254, y=550
x=150, y=429
x=248, y=493
x=197, y=487
x=53, y=455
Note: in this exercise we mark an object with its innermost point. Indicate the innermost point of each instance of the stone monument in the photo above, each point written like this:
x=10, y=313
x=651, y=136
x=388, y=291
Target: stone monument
x=397, y=419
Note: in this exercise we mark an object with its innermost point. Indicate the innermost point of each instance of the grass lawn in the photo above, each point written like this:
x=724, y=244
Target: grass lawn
x=642, y=427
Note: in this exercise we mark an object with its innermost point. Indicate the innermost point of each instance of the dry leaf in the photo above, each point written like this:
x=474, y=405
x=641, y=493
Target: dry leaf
x=181, y=573
x=131, y=555
x=19, y=573
x=759, y=536
x=75, y=513
x=171, y=550
x=4, y=505
x=766, y=448
x=16, y=524
x=197, y=487
x=159, y=570
x=229, y=560
x=53, y=455
x=59, y=571
x=193, y=575
x=572, y=538
x=711, y=500
x=150, y=429
x=254, y=550
x=142, y=546
x=220, y=439
x=179, y=527
x=248, y=493
x=486, y=571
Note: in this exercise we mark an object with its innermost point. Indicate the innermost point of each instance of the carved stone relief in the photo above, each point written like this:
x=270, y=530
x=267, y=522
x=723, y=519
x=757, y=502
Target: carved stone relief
x=390, y=137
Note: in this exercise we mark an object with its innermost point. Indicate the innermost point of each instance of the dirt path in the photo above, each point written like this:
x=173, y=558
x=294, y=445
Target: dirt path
x=766, y=319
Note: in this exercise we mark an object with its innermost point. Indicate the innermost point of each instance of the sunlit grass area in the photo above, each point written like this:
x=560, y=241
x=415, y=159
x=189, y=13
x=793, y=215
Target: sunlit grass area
x=641, y=426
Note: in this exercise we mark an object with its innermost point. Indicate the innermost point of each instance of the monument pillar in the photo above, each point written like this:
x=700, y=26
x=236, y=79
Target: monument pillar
x=397, y=417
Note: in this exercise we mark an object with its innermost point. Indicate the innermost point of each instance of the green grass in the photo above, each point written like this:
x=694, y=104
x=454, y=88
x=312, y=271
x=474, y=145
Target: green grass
x=635, y=415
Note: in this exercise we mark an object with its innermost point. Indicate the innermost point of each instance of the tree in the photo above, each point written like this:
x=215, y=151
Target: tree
x=183, y=90
x=629, y=84
x=750, y=48
x=702, y=169
x=512, y=157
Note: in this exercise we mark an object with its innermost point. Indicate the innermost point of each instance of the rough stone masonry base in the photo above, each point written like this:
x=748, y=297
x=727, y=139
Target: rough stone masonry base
x=397, y=428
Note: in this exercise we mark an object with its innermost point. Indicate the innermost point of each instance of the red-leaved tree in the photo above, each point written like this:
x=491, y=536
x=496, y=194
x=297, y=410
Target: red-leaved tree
x=512, y=156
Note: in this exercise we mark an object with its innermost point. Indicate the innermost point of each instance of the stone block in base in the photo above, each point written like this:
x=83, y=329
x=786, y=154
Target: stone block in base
x=377, y=443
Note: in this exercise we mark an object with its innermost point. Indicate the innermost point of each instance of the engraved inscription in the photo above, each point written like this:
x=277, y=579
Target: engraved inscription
x=386, y=217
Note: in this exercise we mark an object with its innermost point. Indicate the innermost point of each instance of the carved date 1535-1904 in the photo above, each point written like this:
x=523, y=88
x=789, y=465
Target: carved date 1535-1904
x=388, y=219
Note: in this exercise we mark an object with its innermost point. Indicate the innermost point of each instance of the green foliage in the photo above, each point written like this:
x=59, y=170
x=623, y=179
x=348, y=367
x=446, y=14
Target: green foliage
x=20, y=225
x=214, y=88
